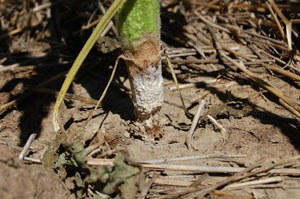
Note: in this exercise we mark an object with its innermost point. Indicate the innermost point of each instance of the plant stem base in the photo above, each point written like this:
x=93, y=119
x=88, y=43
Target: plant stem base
x=145, y=76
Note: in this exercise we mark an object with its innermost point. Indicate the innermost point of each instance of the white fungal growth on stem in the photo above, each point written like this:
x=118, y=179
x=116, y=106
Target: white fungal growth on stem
x=145, y=76
x=147, y=90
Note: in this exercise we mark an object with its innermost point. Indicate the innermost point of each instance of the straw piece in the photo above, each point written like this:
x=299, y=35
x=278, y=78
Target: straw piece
x=188, y=138
x=27, y=146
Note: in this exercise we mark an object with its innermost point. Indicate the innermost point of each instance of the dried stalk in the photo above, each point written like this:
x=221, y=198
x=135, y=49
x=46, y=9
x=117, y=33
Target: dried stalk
x=188, y=138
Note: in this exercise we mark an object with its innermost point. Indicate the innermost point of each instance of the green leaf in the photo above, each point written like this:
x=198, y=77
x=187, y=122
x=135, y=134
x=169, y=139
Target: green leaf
x=98, y=175
x=78, y=152
x=121, y=174
x=61, y=161
x=129, y=187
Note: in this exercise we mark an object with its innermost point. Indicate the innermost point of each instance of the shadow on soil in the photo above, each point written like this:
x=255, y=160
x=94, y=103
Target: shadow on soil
x=66, y=38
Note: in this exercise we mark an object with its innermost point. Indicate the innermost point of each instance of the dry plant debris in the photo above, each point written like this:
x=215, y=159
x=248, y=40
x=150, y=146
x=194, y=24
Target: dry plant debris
x=244, y=42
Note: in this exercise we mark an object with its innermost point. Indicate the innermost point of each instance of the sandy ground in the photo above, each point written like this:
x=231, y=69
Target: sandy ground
x=257, y=127
x=264, y=131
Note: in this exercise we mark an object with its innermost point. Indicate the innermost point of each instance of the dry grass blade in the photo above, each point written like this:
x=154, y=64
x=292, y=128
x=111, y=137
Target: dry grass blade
x=27, y=145
x=234, y=178
x=283, y=72
x=190, y=158
x=188, y=138
x=288, y=24
x=188, y=114
x=245, y=174
x=172, y=182
x=290, y=108
x=275, y=91
x=218, y=125
x=206, y=169
x=147, y=186
x=255, y=182
x=111, y=24
x=276, y=20
x=103, y=93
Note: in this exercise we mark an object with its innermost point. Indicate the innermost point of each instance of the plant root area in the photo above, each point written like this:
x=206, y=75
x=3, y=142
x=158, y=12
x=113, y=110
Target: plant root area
x=241, y=57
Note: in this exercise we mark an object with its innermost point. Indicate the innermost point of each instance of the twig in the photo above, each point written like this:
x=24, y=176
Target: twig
x=290, y=108
x=172, y=182
x=276, y=20
x=193, y=84
x=147, y=186
x=109, y=162
x=10, y=145
x=111, y=24
x=90, y=116
x=218, y=125
x=107, y=28
x=190, y=158
x=245, y=174
x=34, y=160
x=288, y=24
x=273, y=57
x=286, y=171
x=283, y=72
x=208, y=22
x=174, y=193
x=42, y=7
x=255, y=182
x=284, y=187
x=100, y=162
x=184, y=54
x=90, y=149
x=188, y=114
x=22, y=64
x=191, y=168
x=265, y=38
x=27, y=145
x=189, y=136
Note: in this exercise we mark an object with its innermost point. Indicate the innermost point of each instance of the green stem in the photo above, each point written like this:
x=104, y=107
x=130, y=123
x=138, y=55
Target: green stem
x=137, y=18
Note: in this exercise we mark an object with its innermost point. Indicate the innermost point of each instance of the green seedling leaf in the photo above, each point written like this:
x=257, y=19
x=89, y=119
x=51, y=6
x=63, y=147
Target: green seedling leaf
x=69, y=161
x=98, y=175
x=122, y=174
x=78, y=152
x=81, y=57
x=129, y=188
x=62, y=160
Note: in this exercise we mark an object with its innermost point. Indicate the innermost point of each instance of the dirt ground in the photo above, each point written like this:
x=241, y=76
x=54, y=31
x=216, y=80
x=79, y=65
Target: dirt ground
x=257, y=126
